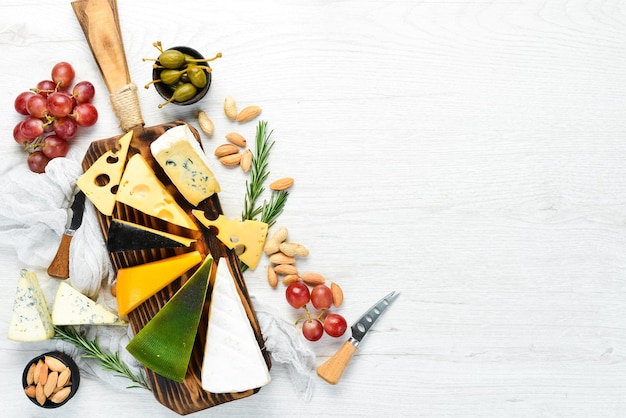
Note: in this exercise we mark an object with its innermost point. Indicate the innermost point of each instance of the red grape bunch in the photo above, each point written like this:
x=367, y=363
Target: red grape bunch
x=298, y=296
x=54, y=111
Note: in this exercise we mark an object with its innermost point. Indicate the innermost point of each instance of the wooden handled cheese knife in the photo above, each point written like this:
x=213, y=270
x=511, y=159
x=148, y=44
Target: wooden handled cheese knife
x=332, y=370
x=60, y=266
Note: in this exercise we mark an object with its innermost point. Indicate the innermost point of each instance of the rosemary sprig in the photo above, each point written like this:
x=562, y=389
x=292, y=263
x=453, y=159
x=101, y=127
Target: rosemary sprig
x=108, y=360
x=272, y=210
x=258, y=172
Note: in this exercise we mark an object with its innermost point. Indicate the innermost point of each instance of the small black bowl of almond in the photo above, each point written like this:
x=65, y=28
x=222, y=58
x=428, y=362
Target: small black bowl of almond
x=51, y=379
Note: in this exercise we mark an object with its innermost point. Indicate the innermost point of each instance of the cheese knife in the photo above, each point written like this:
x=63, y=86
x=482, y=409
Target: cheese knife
x=60, y=266
x=332, y=369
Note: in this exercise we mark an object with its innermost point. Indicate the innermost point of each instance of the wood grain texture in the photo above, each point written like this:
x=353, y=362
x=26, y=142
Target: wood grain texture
x=467, y=153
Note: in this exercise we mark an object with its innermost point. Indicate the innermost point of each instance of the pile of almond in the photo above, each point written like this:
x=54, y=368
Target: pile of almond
x=283, y=255
x=48, y=379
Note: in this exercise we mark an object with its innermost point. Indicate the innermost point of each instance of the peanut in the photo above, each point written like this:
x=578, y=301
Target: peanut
x=205, y=123
x=230, y=108
x=273, y=243
x=337, y=294
x=293, y=249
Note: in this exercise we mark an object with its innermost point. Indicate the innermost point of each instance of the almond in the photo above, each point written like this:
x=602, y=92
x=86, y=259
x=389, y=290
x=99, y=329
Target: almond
x=39, y=394
x=231, y=160
x=61, y=395
x=246, y=161
x=30, y=375
x=205, y=123
x=290, y=278
x=272, y=278
x=230, y=108
x=43, y=374
x=30, y=391
x=37, y=371
x=282, y=184
x=337, y=294
x=285, y=269
x=225, y=149
x=312, y=279
x=236, y=139
x=64, y=377
x=281, y=258
x=248, y=113
x=51, y=384
x=54, y=364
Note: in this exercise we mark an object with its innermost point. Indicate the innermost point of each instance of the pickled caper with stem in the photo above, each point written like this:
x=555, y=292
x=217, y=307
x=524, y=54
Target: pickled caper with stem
x=168, y=77
x=197, y=75
x=182, y=93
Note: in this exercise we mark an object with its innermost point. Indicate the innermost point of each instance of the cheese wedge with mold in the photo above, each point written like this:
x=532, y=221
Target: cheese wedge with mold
x=30, y=320
x=129, y=236
x=248, y=237
x=233, y=361
x=179, y=154
x=71, y=307
x=142, y=190
x=134, y=285
x=108, y=167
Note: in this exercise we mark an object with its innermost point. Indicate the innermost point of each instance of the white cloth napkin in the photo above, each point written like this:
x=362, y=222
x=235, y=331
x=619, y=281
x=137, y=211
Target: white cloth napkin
x=33, y=215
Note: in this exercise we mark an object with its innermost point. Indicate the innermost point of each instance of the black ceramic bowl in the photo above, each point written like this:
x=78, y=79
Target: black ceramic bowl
x=167, y=91
x=73, y=381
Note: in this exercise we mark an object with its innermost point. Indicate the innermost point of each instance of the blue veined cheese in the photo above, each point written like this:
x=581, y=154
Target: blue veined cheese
x=71, y=307
x=183, y=160
x=233, y=361
x=30, y=320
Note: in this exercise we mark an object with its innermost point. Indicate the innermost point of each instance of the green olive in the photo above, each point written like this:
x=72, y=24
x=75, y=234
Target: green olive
x=172, y=58
x=197, y=75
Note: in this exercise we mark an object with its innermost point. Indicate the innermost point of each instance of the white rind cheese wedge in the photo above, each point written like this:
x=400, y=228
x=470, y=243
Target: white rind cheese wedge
x=233, y=361
x=179, y=154
x=30, y=320
x=142, y=190
x=71, y=307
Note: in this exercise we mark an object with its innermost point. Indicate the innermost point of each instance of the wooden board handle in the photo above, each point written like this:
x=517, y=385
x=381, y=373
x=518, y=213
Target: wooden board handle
x=332, y=369
x=60, y=266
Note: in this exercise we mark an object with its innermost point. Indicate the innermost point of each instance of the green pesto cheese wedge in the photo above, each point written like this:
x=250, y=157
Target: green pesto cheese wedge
x=128, y=236
x=165, y=344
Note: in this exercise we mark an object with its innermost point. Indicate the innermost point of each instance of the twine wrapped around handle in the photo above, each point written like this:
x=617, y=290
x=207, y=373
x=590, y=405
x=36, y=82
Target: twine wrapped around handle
x=126, y=106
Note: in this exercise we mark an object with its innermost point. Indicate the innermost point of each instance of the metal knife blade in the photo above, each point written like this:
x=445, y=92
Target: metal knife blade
x=332, y=370
x=60, y=265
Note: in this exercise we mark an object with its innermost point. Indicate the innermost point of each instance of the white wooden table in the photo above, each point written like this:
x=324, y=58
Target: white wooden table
x=469, y=154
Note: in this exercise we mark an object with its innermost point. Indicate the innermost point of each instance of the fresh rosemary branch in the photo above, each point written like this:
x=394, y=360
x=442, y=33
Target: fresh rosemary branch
x=258, y=172
x=274, y=208
x=107, y=360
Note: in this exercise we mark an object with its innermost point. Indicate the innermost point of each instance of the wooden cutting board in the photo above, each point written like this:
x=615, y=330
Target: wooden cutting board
x=186, y=397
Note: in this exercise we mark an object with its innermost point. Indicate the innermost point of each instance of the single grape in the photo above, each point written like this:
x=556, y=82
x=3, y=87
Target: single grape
x=321, y=297
x=54, y=146
x=63, y=74
x=46, y=87
x=83, y=91
x=37, y=162
x=65, y=128
x=21, y=100
x=18, y=136
x=31, y=127
x=335, y=325
x=60, y=104
x=312, y=329
x=37, y=106
x=85, y=114
x=297, y=295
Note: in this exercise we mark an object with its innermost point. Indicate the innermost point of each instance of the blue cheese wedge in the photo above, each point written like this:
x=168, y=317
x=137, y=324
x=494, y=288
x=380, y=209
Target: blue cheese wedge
x=233, y=361
x=30, y=320
x=71, y=307
x=179, y=154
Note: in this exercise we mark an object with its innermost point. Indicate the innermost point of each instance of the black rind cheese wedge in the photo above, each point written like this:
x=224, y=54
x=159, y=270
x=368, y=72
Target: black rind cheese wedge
x=127, y=236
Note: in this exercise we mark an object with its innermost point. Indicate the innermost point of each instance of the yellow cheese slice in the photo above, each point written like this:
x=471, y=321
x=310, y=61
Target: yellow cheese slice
x=142, y=190
x=179, y=154
x=249, y=236
x=108, y=168
x=138, y=283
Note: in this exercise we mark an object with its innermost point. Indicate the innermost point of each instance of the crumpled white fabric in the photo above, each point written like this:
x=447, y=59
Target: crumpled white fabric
x=33, y=215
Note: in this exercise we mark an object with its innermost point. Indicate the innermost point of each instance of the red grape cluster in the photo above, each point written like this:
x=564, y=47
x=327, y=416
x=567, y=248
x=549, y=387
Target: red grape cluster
x=54, y=110
x=298, y=296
